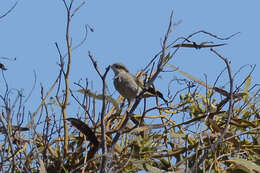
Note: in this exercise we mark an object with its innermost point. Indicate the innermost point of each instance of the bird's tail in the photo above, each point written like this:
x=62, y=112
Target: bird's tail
x=151, y=91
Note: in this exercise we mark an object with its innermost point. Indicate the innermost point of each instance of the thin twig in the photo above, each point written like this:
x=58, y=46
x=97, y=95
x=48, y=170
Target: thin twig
x=9, y=11
x=42, y=103
x=230, y=111
x=104, y=105
x=77, y=9
x=162, y=60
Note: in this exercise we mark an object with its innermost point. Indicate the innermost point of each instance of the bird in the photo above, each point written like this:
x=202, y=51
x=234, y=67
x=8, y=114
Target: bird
x=128, y=85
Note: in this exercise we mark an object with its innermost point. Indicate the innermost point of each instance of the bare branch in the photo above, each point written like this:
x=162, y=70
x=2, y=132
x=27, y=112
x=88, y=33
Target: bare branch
x=104, y=105
x=162, y=60
x=77, y=9
x=9, y=11
x=230, y=112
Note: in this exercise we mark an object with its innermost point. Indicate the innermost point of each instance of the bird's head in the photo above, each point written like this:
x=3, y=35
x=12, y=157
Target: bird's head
x=117, y=68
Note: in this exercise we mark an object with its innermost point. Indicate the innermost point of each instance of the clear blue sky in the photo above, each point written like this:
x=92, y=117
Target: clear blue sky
x=124, y=31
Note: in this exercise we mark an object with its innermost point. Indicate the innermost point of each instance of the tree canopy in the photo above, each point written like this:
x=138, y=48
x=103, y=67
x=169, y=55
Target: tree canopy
x=200, y=127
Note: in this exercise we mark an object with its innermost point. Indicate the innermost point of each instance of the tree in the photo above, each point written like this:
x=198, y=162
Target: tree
x=219, y=130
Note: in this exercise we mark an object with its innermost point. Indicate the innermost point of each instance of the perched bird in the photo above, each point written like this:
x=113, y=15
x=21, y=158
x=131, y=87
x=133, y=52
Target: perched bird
x=128, y=85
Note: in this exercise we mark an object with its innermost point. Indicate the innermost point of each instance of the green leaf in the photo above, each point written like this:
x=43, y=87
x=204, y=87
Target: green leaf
x=247, y=84
x=147, y=127
x=245, y=165
x=240, y=95
x=189, y=76
x=148, y=168
x=99, y=97
x=177, y=135
x=258, y=139
x=167, y=58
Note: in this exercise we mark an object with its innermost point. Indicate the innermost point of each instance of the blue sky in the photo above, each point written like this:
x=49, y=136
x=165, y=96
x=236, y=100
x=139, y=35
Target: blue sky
x=124, y=31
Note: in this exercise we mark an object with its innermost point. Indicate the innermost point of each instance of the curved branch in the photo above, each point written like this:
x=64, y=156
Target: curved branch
x=9, y=11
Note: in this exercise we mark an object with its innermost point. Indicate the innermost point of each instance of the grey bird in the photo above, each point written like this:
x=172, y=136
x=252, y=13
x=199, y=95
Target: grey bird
x=128, y=85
